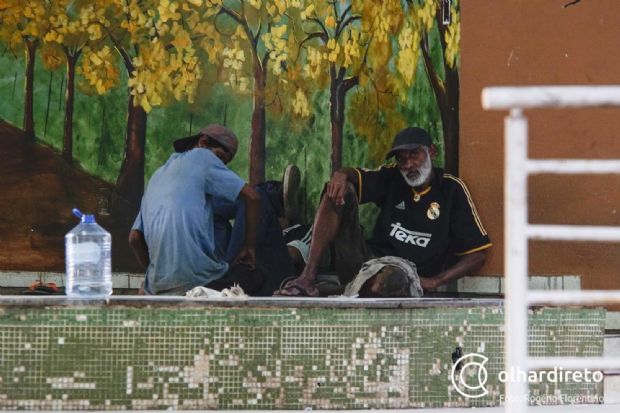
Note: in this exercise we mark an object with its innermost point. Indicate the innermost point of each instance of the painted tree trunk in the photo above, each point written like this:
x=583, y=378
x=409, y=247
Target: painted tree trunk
x=257, y=140
x=447, y=97
x=450, y=120
x=336, y=117
x=67, y=137
x=31, y=48
x=339, y=87
x=49, y=102
x=448, y=104
x=130, y=182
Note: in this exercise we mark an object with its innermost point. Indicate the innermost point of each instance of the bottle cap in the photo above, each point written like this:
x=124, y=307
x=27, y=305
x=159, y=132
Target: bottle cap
x=84, y=218
x=88, y=219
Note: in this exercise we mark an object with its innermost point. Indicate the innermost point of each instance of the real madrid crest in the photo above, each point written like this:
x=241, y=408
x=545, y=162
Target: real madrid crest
x=433, y=211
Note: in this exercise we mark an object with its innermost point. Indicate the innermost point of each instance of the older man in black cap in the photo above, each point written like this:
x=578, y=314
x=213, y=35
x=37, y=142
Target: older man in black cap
x=427, y=217
x=174, y=235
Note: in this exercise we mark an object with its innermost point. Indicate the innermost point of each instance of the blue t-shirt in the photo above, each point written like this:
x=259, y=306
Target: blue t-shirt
x=176, y=218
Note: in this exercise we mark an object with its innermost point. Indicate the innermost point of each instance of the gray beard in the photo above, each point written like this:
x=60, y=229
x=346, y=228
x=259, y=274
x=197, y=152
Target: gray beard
x=424, y=172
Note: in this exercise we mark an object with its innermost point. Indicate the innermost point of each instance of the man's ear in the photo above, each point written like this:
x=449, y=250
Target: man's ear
x=202, y=142
x=432, y=150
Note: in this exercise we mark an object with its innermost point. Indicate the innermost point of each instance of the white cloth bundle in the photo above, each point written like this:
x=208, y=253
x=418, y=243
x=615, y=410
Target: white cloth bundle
x=203, y=292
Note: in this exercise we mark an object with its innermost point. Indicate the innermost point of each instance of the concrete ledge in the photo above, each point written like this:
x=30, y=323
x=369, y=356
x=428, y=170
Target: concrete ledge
x=475, y=285
x=495, y=284
x=22, y=279
x=175, y=301
x=585, y=408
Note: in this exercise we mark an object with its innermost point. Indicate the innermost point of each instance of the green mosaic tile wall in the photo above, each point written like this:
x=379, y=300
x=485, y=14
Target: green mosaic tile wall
x=118, y=357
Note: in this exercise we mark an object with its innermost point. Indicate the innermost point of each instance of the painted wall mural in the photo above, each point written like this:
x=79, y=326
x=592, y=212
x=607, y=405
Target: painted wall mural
x=94, y=93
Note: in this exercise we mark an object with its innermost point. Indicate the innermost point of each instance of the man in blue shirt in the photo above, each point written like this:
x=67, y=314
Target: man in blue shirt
x=173, y=234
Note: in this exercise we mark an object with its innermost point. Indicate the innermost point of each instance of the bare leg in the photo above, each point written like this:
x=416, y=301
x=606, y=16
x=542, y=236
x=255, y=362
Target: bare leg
x=327, y=223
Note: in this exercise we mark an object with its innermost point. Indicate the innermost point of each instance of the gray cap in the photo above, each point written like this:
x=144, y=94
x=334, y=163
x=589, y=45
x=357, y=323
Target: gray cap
x=221, y=134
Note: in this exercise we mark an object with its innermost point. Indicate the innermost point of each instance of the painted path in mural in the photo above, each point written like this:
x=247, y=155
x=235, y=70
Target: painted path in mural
x=38, y=191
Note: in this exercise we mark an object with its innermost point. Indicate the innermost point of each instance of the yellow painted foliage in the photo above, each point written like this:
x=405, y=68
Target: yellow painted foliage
x=425, y=14
x=71, y=24
x=254, y=38
x=453, y=39
x=99, y=68
x=419, y=21
x=234, y=61
x=377, y=124
x=234, y=58
x=275, y=42
x=330, y=22
x=409, y=53
x=24, y=21
x=352, y=48
x=209, y=42
x=307, y=12
x=160, y=74
x=52, y=56
x=300, y=104
x=152, y=39
x=379, y=18
x=351, y=41
x=314, y=67
x=373, y=110
x=168, y=10
x=354, y=35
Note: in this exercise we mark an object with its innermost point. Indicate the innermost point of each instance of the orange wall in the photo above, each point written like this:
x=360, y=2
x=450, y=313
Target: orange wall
x=538, y=42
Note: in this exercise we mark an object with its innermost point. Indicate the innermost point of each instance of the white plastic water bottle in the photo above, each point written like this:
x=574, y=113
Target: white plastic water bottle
x=88, y=255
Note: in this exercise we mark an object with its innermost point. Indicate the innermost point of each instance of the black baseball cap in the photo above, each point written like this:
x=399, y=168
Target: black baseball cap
x=221, y=134
x=409, y=138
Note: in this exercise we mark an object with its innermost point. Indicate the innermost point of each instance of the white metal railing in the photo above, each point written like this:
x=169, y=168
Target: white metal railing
x=518, y=231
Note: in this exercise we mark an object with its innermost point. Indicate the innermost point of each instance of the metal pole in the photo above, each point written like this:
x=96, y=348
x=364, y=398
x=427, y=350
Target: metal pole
x=550, y=96
x=515, y=257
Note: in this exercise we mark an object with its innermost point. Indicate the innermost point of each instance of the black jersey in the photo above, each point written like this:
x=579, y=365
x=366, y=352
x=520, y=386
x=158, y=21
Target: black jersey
x=427, y=228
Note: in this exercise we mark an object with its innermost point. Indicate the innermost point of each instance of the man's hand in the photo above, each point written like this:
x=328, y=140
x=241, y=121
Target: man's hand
x=429, y=283
x=466, y=265
x=337, y=187
x=247, y=256
x=138, y=245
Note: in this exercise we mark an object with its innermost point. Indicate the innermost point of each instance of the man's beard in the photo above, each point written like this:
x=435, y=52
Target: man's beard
x=419, y=176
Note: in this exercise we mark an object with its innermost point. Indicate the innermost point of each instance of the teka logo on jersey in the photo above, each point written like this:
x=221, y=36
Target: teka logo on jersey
x=402, y=234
